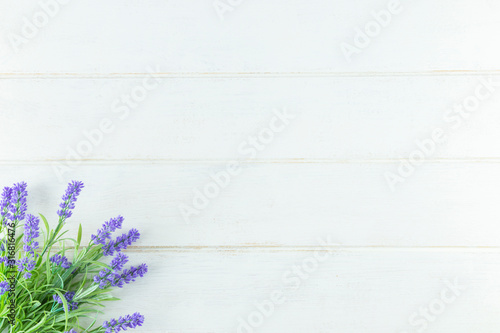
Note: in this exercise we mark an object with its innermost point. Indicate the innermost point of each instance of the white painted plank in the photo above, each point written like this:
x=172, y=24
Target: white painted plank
x=209, y=119
x=349, y=291
x=255, y=36
x=275, y=204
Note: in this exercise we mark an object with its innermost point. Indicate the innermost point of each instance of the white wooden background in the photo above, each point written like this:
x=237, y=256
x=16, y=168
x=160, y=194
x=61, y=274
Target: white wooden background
x=392, y=252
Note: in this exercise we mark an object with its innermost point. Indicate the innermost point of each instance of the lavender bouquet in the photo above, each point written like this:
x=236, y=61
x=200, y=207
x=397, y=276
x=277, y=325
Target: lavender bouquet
x=41, y=290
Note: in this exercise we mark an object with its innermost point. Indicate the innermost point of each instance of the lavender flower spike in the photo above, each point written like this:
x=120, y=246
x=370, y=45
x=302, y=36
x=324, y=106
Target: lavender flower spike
x=105, y=277
x=18, y=204
x=71, y=331
x=128, y=275
x=4, y=287
x=26, y=264
x=129, y=321
x=69, y=298
x=121, y=242
x=31, y=231
x=60, y=260
x=69, y=199
x=107, y=228
x=5, y=205
x=119, y=261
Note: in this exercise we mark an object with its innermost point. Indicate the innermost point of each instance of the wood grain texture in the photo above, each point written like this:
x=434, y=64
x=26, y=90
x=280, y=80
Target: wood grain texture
x=341, y=118
x=209, y=84
x=284, y=36
x=280, y=204
x=350, y=291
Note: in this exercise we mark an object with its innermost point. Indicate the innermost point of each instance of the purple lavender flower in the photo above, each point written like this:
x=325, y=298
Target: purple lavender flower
x=71, y=331
x=128, y=275
x=129, y=321
x=5, y=260
x=69, y=199
x=69, y=299
x=60, y=260
x=119, y=261
x=105, y=277
x=107, y=228
x=18, y=202
x=31, y=231
x=121, y=242
x=5, y=204
x=26, y=264
x=4, y=287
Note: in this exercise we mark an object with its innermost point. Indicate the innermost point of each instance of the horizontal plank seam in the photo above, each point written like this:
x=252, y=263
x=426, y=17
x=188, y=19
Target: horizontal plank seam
x=272, y=248
x=249, y=161
x=68, y=75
